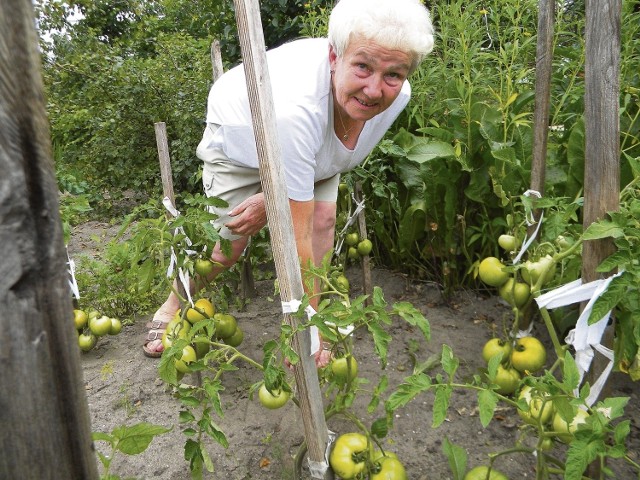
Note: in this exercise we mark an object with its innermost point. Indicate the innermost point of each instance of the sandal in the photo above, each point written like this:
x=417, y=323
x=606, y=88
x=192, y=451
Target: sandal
x=156, y=329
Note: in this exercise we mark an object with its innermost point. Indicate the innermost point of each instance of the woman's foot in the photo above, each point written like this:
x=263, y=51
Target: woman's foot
x=152, y=346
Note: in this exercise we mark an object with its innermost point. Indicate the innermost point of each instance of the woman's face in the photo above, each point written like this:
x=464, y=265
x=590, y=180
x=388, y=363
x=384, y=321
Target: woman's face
x=367, y=78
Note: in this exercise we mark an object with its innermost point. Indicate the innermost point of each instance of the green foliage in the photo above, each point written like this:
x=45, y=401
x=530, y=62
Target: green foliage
x=131, y=440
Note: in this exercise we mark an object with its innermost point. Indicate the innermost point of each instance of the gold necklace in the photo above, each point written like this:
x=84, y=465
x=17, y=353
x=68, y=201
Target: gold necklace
x=345, y=136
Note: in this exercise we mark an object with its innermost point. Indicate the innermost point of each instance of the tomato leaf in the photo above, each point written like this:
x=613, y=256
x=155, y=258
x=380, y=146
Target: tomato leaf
x=413, y=317
x=570, y=374
x=457, y=457
x=135, y=439
x=406, y=391
x=611, y=297
x=381, y=340
x=603, y=229
x=449, y=362
x=581, y=453
x=380, y=428
x=487, y=401
x=441, y=404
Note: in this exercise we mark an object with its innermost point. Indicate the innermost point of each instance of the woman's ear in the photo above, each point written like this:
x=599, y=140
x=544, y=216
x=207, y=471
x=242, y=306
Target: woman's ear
x=333, y=56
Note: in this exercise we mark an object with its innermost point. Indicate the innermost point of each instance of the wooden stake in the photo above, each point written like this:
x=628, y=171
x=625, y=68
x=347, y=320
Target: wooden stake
x=165, y=163
x=366, y=260
x=281, y=227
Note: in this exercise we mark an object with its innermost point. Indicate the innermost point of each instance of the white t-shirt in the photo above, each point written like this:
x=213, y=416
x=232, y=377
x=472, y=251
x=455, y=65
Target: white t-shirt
x=301, y=87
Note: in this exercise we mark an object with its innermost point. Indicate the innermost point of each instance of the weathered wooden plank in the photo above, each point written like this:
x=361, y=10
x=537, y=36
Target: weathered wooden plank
x=602, y=146
x=602, y=124
x=544, y=59
x=280, y=223
x=46, y=431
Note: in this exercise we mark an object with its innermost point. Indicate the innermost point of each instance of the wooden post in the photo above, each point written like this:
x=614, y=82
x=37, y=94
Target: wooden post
x=602, y=132
x=46, y=427
x=366, y=260
x=544, y=60
x=544, y=57
x=281, y=226
x=216, y=60
x=165, y=163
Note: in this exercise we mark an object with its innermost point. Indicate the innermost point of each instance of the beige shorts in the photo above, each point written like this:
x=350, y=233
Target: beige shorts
x=234, y=183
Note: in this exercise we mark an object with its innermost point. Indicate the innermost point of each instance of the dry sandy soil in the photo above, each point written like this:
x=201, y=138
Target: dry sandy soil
x=123, y=388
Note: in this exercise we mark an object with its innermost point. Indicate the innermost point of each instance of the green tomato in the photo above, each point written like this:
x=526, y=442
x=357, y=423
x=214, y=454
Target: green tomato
x=349, y=455
x=508, y=242
x=272, y=400
x=482, y=473
x=515, y=293
x=202, y=346
x=565, y=431
x=86, y=341
x=116, y=326
x=545, y=267
x=389, y=468
x=344, y=369
x=188, y=355
x=528, y=355
x=491, y=273
x=495, y=346
x=352, y=253
x=365, y=247
x=100, y=326
x=226, y=325
x=203, y=267
x=508, y=380
x=540, y=409
x=352, y=239
x=236, y=339
x=342, y=284
x=80, y=319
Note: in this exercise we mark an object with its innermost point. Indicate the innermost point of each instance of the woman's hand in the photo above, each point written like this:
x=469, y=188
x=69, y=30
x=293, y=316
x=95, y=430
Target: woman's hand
x=250, y=216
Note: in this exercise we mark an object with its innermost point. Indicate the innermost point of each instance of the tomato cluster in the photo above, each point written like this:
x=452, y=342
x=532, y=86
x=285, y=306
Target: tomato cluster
x=352, y=457
x=90, y=326
x=357, y=247
x=226, y=330
x=525, y=355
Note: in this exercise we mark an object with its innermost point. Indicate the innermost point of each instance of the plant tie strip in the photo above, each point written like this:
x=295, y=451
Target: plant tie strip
x=318, y=469
x=183, y=275
x=292, y=306
x=73, y=283
x=350, y=220
x=530, y=221
x=584, y=337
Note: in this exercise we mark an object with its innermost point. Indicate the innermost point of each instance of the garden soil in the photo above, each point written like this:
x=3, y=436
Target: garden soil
x=123, y=388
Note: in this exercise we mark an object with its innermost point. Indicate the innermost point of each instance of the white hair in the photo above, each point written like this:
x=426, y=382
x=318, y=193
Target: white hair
x=403, y=25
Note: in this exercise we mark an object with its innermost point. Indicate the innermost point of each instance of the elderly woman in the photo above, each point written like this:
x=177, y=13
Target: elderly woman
x=334, y=100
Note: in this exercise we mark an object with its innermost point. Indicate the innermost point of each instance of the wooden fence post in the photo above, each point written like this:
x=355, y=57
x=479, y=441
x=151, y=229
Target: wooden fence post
x=281, y=227
x=46, y=427
x=602, y=148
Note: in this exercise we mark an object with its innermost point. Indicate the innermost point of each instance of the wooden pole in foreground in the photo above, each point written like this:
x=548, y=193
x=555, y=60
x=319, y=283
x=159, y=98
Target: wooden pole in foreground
x=602, y=149
x=281, y=227
x=46, y=426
